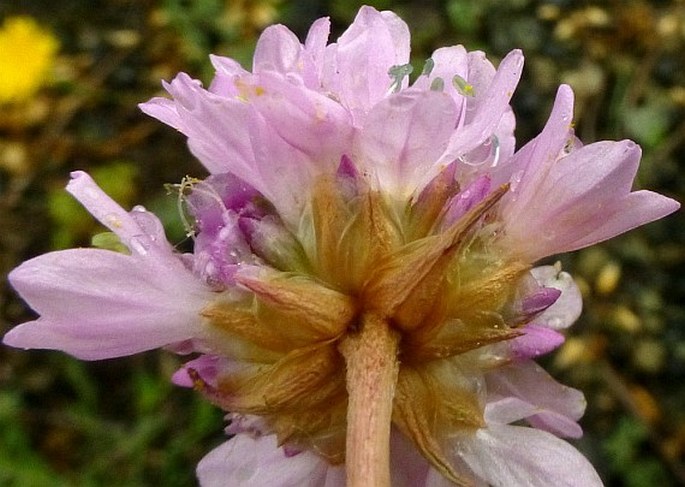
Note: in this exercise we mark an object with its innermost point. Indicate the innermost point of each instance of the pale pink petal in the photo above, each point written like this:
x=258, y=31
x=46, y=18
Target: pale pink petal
x=578, y=198
x=284, y=174
x=139, y=230
x=508, y=409
x=504, y=136
x=217, y=127
x=403, y=135
x=259, y=462
x=315, y=49
x=163, y=110
x=632, y=211
x=228, y=71
x=97, y=304
x=513, y=456
x=557, y=407
x=307, y=120
x=489, y=107
x=448, y=62
x=364, y=53
x=436, y=479
x=278, y=49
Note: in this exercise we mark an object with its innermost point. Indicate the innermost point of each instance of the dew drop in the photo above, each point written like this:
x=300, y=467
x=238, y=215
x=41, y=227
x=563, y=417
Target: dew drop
x=515, y=181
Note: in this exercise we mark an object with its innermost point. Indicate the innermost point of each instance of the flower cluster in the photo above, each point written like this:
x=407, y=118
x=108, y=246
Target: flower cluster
x=362, y=297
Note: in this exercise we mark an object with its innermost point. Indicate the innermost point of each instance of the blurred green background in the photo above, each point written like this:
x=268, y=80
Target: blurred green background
x=86, y=64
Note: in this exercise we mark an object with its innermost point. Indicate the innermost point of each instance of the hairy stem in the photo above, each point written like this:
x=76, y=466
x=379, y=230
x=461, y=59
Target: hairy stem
x=372, y=367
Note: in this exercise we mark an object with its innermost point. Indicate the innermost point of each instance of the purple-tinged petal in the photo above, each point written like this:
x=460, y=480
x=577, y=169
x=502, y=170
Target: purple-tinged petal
x=219, y=253
x=567, y=307
x=513, y=456
x=463, y=201
x=586, y=198
x=534, y=160
x=535, y=341
x=97, y=304
x=539, y=300
x=402, y=136
x=211, y=198
x=206, y=366
x=259, y=462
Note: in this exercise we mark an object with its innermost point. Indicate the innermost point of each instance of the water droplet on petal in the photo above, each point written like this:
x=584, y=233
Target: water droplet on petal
x=515, y=181
x=487, y=153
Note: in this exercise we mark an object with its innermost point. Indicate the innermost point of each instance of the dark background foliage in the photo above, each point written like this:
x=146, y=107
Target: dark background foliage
x=120, y=422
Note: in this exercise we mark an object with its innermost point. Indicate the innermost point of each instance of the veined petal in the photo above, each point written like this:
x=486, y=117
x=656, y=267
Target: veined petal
x=217, y=127
x=635, y=209
x=402, y=136
x=228, y=71
x=447, y=62
x=556, y=407
x=364, y=53
x=583, y=198
x=315, y=49
x=305, y=119
x=495, y=454
x=278, y=49
x=489, y=109
x=260, y=462
x=97, y=304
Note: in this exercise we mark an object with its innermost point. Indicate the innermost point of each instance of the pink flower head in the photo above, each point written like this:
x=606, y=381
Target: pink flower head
x=364, y=265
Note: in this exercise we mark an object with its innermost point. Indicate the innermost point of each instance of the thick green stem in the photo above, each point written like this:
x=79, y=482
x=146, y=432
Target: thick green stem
x=372, y=368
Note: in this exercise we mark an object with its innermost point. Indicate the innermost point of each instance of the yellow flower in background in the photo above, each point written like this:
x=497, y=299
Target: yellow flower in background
x=252, y=14
x=27, y=54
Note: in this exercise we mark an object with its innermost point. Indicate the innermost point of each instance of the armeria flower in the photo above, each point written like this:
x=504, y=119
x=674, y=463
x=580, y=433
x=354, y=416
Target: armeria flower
x=362, y=296
x=27, y=54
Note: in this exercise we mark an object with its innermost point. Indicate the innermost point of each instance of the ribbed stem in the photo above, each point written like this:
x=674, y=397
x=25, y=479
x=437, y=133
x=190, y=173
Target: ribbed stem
x=372, y=368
